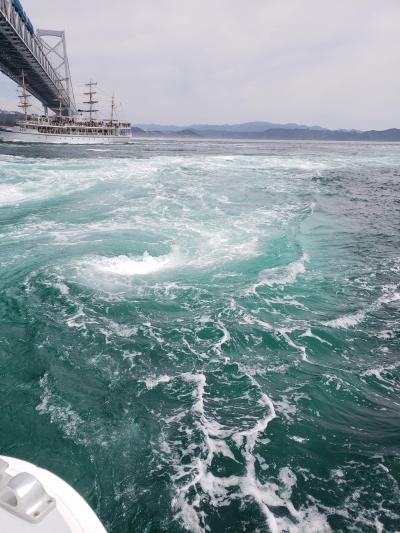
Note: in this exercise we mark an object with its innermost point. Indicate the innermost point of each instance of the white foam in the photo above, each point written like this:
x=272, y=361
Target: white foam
x=226, y=337
x=250, y=319
x=219, y=490
x=335, y=380
x=386, y=334
x=78, y=320
x=347, y=321
x=300, y=440
x=100, y=150
x=207, y=254
x=309, y=333
x=123, y=265
x=11, y=194
x=291, y=343
x=380, y=371
x=285, y=408
x=287, y=300
x=62, y=287
x=222, y=246
x=121, y=330
x=151, y=383
x=50, y=179
x=389, y=295
x=280, y=275
x=60, y=412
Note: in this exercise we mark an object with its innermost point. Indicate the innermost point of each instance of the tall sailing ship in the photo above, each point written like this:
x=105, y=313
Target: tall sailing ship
x=81, y=129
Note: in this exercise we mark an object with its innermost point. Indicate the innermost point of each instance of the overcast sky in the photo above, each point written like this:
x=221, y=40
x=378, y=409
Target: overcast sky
x=335, y=63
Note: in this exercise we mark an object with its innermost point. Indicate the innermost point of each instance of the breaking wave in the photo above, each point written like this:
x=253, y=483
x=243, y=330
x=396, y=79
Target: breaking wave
x=285, y=275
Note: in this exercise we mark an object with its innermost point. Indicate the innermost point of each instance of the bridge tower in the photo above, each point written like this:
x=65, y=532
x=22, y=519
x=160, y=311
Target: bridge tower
x=55, y=50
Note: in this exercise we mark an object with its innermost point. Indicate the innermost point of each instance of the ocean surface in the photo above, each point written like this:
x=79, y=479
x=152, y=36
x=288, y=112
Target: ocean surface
x=205, y=336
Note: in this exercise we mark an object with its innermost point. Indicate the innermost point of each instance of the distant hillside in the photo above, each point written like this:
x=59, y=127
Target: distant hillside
x=391, y=135
x=9, y=118
x=139, y=132
x=286, y=132
x=246, y=127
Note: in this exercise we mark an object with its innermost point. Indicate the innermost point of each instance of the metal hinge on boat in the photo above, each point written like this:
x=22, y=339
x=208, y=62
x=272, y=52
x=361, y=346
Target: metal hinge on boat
x=24, y=495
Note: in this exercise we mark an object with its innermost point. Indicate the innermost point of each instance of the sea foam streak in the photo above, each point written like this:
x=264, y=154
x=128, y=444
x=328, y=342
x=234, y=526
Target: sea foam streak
x=60, y=412
x=221, y=491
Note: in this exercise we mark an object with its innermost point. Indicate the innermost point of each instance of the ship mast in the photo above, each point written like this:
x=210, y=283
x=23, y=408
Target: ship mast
x=60, y=106
x=24, y=98
x=112, y=109
x=91, y=101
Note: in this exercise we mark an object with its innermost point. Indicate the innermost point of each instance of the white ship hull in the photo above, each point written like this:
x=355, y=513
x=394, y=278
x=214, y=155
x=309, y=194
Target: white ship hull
x=34, y=500
x=17, y=135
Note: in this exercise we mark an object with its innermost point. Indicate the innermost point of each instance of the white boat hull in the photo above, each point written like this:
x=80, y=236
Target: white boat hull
x=26, y=488
x=20, y=136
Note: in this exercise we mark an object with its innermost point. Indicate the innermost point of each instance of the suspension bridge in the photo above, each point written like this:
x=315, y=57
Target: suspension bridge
x=38, y=56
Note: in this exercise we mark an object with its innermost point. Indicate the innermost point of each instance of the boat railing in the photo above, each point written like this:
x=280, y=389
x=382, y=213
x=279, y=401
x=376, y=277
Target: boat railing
x=66, y=122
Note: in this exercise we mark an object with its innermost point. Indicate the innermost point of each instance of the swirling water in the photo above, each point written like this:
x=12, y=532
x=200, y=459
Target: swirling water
x=205, y=336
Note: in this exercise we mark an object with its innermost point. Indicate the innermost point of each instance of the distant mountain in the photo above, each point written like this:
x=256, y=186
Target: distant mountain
x=188, y=132
x=9, y=118
x=139, y=132
x=246, y=127
x=286, y=132
x=391, y=135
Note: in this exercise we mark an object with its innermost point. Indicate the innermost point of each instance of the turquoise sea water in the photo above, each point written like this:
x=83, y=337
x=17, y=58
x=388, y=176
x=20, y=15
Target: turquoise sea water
x=206, y=336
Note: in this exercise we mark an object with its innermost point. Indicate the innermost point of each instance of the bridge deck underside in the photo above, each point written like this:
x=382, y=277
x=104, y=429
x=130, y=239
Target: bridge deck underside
x=15, y=57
